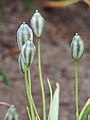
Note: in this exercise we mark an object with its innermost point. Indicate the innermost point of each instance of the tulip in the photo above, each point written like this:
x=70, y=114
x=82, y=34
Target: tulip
x=11, y=114
x=37, y=24
x=28, y=51
x=23, y=34
x=77, y=47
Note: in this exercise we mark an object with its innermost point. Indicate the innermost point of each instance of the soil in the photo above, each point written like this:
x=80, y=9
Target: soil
x=57, y=64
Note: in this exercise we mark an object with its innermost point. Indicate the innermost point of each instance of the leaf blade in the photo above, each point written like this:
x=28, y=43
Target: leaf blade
x=55, y=104
x=85, y=111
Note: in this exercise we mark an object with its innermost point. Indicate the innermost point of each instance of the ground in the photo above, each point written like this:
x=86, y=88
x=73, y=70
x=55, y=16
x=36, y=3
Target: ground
x=57, y=64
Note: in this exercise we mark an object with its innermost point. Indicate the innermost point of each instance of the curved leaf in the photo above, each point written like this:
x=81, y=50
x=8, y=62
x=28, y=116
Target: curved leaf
x=85, y=111
x=55, y=104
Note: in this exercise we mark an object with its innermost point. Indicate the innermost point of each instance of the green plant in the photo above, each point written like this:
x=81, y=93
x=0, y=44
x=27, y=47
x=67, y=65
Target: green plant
x=27, y=48
x=27, y=52
x=6, y=80
x=77, y=50
x=11, y=113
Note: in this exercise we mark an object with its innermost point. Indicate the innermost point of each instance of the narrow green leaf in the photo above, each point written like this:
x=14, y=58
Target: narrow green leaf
x=49, y=84
x=55, y=104
x=6, y=80
x=29, y=5
x=85, y=111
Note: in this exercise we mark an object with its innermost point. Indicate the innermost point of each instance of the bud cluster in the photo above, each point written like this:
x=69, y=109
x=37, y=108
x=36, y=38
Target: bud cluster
x=25, y=39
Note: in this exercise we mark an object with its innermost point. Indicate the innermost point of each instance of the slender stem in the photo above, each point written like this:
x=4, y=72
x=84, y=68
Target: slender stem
x=33, y=104
x=28, y=93
x=35, y=109
x=76, y=77
x=25, y=75
x=41, y=81
x=28, y=113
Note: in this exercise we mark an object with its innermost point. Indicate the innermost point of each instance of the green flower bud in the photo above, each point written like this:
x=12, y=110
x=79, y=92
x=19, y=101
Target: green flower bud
x=37, y=24
x=23, y=34
x=28, y=51
x=16, y=116
x=21, y=63
x=10, y=117
x=77, y=47
x=11, y=114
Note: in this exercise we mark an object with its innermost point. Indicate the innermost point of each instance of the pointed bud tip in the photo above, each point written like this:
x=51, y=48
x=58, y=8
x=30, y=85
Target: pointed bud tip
x=23, y=22
x=27, y=108
x=57, y=84
x=76, y=34
x=12, y=106
x=36, y=10
x=47, y=79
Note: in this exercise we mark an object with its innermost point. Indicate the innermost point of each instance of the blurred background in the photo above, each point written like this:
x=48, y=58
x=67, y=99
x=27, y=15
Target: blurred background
x=63, y=20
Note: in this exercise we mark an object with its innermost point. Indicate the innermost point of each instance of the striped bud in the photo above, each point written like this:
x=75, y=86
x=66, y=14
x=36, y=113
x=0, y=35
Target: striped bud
x=77, y=47
x=37, y=24
x=28, y=51
x=21, y=63
x=11, y=114
x=23, y=34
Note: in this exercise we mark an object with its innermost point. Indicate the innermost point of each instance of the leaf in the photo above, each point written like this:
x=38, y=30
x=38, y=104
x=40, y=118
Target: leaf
x=6, y=80
x=55, y=104
x=59, y=3
x=49, y=84
x=87, y=2
x=29, y=5
x=85, y=111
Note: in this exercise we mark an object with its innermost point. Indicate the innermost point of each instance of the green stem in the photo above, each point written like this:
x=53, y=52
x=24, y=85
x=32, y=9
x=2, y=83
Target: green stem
x=76, y=77
x=33, y=104
x=41, y=81
x=28, y=113
x=28, y=93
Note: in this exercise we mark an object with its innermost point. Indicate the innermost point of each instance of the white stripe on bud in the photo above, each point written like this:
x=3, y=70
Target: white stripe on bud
x=23, y=34
x=37, y=24
x=28, y=51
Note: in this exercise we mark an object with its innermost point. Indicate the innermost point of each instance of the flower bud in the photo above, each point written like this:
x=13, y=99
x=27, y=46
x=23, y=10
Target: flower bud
x=28, y=51
x=77, y=47
x=11, y=114
x=21, y=63
x=37, y=24
x=23, y=34
x=16, y=116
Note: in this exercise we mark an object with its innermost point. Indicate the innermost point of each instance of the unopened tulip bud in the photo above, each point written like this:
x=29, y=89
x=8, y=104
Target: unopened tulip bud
x=11, y=114
x=77, y=47
x=23, y=34
x=16, y=116
x=28, y=51
x=37, y=24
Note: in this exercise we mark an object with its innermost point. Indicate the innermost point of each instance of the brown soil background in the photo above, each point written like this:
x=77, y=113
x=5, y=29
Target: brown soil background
x=57, y=64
